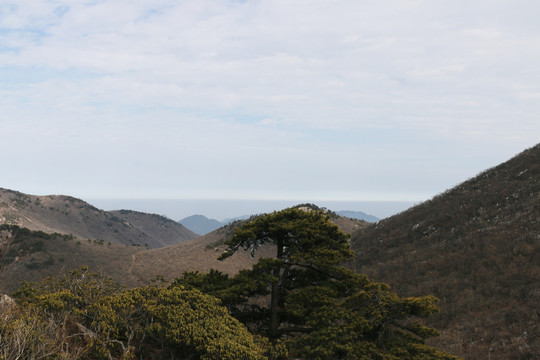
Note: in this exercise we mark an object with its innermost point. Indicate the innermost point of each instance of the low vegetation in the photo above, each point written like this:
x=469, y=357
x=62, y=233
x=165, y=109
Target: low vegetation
x=88, y=316
x=27, y=255
x=477, y=248
x=305, y=299
x=300, y=304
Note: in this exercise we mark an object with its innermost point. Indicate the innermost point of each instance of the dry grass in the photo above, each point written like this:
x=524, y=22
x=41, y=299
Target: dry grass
x=129, y=265
x=21, y=261
x=68, y=215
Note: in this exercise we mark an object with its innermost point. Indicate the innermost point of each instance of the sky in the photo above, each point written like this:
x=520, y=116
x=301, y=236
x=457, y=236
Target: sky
x=276, y=100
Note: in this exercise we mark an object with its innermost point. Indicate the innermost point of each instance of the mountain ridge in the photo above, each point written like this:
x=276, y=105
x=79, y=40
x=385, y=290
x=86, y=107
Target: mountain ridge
x=69, y=215
x=477, y=248
x=27, y=255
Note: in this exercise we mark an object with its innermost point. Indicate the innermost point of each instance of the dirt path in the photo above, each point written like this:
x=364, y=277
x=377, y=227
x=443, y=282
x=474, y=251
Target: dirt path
x=133, y=260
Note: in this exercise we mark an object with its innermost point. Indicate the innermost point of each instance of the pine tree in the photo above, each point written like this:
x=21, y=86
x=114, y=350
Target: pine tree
x=320, y=308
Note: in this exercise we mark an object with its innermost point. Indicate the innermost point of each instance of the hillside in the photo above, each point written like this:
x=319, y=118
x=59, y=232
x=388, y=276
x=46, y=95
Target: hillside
x=477, y=248
x=68, y=215
x=201, y=254
x=161, y=230
x=27, y=255
x=31, y=255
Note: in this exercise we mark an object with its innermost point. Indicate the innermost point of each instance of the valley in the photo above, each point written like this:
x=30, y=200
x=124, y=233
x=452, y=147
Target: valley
x=476, y=247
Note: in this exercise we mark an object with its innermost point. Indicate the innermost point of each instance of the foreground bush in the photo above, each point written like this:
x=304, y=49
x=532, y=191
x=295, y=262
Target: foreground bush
x=85, y=315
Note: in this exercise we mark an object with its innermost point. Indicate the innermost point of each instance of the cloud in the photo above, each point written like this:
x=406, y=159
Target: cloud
x=293, y=89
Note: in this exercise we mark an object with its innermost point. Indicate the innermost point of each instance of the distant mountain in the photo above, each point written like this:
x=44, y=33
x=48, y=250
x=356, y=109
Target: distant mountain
x=200, y=224
x=477, y=248
x=231, y=220
x=358, y=215
x=69, y=215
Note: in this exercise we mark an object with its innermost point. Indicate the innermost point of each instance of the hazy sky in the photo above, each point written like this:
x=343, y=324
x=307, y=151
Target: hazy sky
x=331, y=100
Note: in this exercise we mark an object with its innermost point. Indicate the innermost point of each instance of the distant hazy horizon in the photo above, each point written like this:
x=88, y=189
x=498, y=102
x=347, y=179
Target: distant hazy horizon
x=177, y=209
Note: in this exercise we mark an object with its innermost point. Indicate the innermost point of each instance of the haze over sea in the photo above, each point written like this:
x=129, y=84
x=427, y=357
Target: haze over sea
x=177, y=209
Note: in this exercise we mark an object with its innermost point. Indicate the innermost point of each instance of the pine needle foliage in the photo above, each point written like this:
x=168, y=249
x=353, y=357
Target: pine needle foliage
x=304, y=298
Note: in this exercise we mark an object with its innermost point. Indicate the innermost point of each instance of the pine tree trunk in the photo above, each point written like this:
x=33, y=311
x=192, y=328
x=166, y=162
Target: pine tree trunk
x=274, y=307
x=275, y=292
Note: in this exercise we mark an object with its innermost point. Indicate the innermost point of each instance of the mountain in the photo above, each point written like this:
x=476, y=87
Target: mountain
x=201, y=254
x=477, y=248
x=200, y=224
x=358, y=215
x=69, y=215
x=27, y=255
x=161, y=230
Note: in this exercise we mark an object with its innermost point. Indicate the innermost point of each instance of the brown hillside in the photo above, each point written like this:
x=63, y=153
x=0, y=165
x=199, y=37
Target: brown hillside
x=201, y=254
x=161, y=230
x=68, y=215
x=477, y=248
x=31, y=255
x=27, y=255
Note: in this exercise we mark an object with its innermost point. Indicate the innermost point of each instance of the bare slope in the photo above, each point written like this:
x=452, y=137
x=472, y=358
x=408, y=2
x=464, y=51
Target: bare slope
x=31, y=255
x=27, y=255
x=68, y=215
x=201, y=254
x=161, y=230
x=477, y=248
